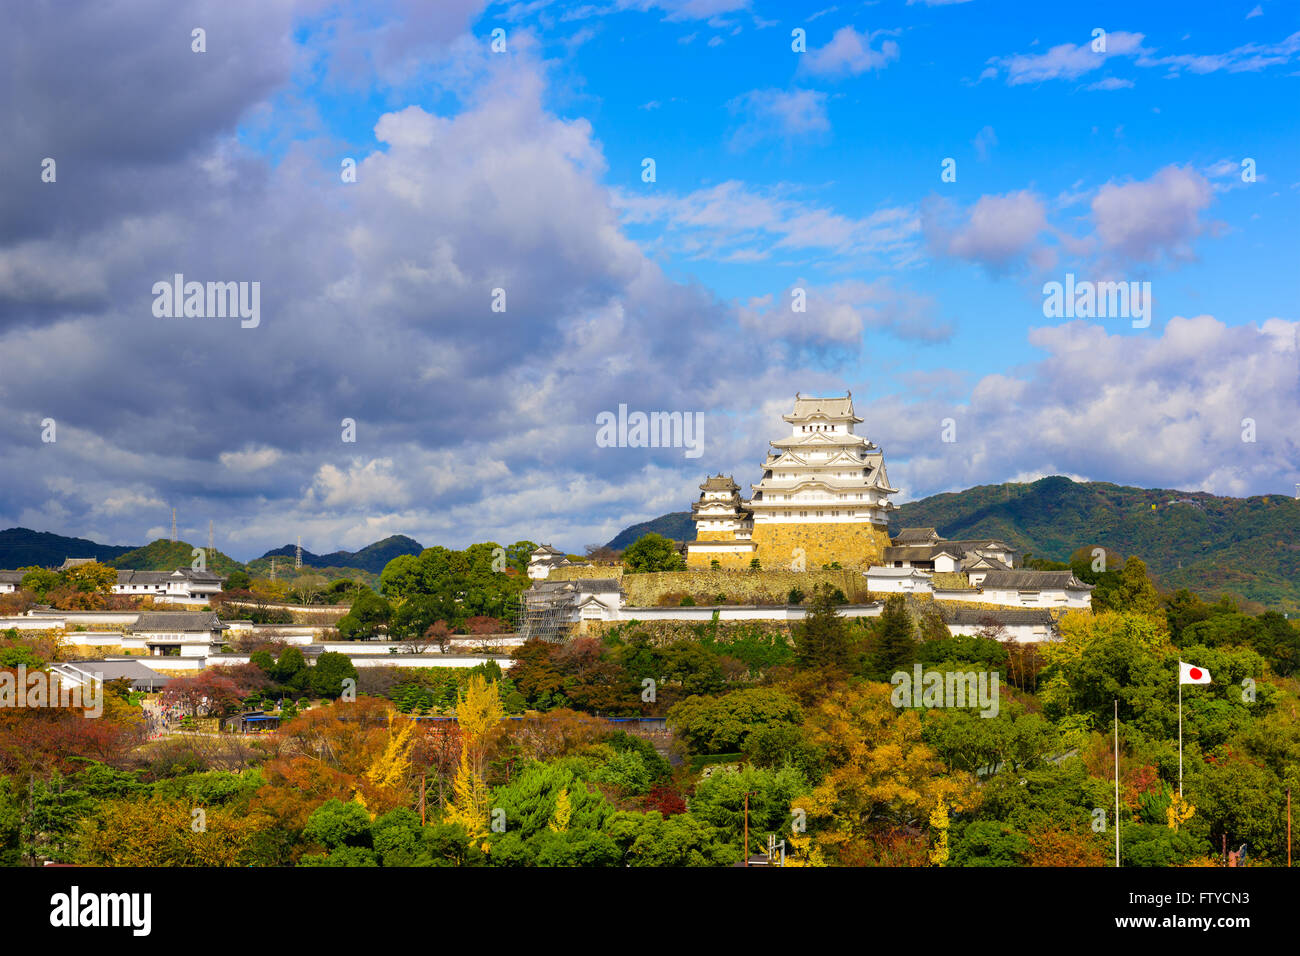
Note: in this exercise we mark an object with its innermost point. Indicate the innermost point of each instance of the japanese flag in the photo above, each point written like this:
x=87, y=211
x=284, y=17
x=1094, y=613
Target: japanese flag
x=1190, y=674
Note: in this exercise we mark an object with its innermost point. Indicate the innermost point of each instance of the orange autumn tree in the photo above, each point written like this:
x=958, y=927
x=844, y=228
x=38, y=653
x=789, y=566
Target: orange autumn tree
x=883, y=776
x=343, y=751
x=1056, y=845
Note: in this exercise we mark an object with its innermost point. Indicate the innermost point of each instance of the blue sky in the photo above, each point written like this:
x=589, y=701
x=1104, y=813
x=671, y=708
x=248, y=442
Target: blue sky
x=522, y=169
x=687, y=91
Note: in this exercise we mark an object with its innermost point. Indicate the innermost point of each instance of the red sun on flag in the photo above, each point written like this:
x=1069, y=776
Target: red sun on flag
x=1191, y=674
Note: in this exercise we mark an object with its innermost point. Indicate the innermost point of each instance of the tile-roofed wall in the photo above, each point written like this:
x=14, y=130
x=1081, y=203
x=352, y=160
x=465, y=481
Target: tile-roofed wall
x=1006, y=615
x=176, y=621
x=1031, y=580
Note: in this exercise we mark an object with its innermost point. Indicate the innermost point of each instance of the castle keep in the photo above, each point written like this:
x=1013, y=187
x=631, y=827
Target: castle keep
x=823, y=498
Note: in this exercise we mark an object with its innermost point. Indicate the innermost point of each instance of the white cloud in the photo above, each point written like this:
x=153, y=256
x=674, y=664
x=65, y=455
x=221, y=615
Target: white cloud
x=250, y=459
x=849, y=53
x=998, y=232
x=1066, y=60
x=1152, y=410
x=1110, y=83
x=778, y=114
x=360, y=485
x=844, y=314
x=718, y=222
x=1155, y=217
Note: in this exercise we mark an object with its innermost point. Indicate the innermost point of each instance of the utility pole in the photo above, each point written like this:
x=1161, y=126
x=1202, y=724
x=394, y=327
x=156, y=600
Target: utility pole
x=1117, y=781
x=746, y=828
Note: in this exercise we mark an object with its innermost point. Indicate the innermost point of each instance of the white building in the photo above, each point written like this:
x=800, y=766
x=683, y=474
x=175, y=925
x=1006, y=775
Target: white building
x=544, y=560
x=923, y=557
x=195, y=634
x=1022, y=625
x=822, y=472
x=898, y=581
x=182, y=586
x=724, y=525
x=923, y=548
x=1034, y=589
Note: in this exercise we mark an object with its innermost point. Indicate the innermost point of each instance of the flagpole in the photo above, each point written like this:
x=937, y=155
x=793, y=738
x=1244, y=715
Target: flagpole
x=1116, y=781
x=1180, y=732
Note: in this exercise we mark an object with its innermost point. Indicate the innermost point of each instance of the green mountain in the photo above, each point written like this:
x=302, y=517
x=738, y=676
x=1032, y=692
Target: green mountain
x=22, y=547
x=1212, y=545
x=677, y=526
x=371, y=558
x=164, y=555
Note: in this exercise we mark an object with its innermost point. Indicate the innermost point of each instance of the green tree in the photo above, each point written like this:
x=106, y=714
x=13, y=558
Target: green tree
x=327, y=676
x=1137, y=593
x=237, y=581
x=652, y=552
x=719, y=801
x=289, y=665
x=369, y=612
x=518, y=555
x=40, y=581
x=822, y=639
x=90, y=578
x=891, y=647
x=650, y=839
x=713, y=725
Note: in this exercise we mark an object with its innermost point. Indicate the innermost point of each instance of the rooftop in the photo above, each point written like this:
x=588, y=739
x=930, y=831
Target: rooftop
x=1032, y=580
x=1005, y=615
x=917, y=536
x=177, y=621
x=832, y=407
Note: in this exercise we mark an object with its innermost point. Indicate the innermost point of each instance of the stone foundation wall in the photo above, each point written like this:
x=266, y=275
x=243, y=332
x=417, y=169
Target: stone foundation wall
x=703, y=560
x=669, y=632
x=582, y=574
x=853, y=544
x=740, y=587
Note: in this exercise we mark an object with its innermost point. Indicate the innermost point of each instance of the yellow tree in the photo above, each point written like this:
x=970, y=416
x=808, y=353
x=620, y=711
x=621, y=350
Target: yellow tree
x=882, y=774
x=478, y=711
x=939, y=824
x=391, y=768
x=1178, y=812
x=563, y=811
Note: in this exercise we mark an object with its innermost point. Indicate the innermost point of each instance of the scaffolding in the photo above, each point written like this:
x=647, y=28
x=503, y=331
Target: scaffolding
x=547, y=612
